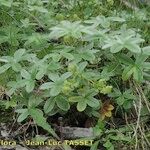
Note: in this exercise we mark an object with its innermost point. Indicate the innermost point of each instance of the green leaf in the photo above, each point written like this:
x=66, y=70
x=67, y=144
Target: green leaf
x=66, y=75
x=30, y=85
x=38, y=117
x=106, y=90
x=53, y=76
x=16, y=67
x=129, y=95
x=120, y=100
x=120, y=137
x=87, y=56
x=66, y=147
x=128, y=71
x=93, y=102
x=4, y=60
x=49, y=105
x=133, y=47
x=82, y=66
x=21, y=110
x=55, y=90
x=6, y=3
x=41, y=72
x=23, y=116
x=146, y=50
x=118, y=19
x=109, y=145
x=125, y=59
x=56, y=57
x=18, y=54
x=25, y=74
x=81, y=106
x=137, y=74
x=146, y=65
x=128, y=104
x=95, y=146
x=62, y=103
x=75, y=98
x=54, y=66
x=116, y=48
x=46, y=85
x=34, y=101
x=4, y=68
x=67, y=55
x=140, y=59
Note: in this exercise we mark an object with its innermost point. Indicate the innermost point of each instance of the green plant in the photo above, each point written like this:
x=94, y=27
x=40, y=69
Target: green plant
x=90, y=62
x=124, y=99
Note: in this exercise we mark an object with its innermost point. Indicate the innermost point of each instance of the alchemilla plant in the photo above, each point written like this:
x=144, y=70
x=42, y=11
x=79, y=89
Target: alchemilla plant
x=57, y=61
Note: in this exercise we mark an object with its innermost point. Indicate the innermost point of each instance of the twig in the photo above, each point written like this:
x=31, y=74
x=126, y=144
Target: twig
x=138, y=112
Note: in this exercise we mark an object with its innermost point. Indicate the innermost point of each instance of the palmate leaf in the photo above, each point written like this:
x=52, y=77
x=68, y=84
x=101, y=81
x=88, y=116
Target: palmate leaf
x=55, y=86
x=72, y=29
x=64, y=28
x=99, y=20
x=103, y=21
x=126, y=39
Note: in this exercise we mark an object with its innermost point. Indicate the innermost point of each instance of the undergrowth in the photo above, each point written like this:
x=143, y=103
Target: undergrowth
x=86, y=61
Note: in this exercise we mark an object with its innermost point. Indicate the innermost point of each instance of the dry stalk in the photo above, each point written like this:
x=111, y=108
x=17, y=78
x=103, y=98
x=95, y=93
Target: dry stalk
x=138, y=107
